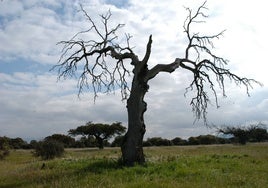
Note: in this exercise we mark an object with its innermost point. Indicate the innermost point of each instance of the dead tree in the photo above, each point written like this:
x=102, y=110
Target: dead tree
x=103, y=63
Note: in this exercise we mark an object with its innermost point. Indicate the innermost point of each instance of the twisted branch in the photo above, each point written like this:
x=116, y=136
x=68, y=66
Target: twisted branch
x=92, y=56
x=205, y=69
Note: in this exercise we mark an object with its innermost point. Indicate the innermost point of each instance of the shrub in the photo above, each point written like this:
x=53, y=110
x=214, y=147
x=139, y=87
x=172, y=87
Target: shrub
x=49, y=149
x=4, y=148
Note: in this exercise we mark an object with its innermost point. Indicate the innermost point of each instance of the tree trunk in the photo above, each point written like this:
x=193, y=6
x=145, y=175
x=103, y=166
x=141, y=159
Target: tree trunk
x=132, y=150
x=100, y=142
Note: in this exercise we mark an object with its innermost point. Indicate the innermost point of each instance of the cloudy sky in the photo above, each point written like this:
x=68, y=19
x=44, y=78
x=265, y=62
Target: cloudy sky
x=34, y=105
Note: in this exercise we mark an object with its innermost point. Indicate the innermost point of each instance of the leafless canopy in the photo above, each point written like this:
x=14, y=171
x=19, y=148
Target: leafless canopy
x=100, y=74
x=92, y=56
x=204, y=69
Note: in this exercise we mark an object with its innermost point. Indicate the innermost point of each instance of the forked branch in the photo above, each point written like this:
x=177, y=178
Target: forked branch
x=206, y=69
x=94, y=56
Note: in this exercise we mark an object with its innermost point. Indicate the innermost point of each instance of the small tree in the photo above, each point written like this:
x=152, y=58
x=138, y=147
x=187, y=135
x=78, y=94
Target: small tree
x=101, y=132
x=103, y=61
x=49, y=149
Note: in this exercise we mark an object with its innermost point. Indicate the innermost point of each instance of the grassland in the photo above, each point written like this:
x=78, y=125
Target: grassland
x=185, y=166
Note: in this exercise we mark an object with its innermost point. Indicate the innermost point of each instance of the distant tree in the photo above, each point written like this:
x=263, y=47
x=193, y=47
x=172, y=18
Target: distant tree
x=105, y=61
x=257, y=133
x=178, y=141
x=49, y=149
x=117, y=141
x=193, y=141
x=157, y=141
x=221, y=140
x=18, y=143
x=245, y=134
x=67, y=141
x=101, y=132
x=239, y=133
x=33, y=144
x=86, y=141
x=207, y=139
x=4, y=147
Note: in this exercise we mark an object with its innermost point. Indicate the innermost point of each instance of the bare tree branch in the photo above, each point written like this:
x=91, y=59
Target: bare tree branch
x=204, y=70
x=98, y=73
x=101, y=74
x=163, y=68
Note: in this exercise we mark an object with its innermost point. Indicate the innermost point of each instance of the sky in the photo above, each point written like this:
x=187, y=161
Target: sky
x=34, y=104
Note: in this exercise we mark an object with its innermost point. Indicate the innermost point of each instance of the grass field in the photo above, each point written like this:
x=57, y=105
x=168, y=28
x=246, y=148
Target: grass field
x=185, y=166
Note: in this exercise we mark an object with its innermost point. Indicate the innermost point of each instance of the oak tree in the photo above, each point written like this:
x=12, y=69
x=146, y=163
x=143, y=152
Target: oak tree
x=103, y=65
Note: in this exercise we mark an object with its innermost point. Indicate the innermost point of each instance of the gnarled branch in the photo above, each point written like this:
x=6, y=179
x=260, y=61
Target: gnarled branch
x=204, y=70
x=92, y=57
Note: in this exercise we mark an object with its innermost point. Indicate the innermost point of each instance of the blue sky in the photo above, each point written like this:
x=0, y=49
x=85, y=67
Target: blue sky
x=34, y=105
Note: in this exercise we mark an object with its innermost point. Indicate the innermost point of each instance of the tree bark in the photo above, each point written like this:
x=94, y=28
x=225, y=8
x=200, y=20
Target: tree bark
x=132, y=150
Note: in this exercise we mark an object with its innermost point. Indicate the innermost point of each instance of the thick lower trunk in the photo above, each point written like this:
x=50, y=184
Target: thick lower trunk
x=132, y=150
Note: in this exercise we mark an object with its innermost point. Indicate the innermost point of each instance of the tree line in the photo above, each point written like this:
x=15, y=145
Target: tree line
x=98, y=135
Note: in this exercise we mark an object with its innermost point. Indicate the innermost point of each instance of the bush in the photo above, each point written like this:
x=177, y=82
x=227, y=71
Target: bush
x=49, y=149
x=4, y=148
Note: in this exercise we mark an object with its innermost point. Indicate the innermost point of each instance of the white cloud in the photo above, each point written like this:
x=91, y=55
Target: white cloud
x=35, y=105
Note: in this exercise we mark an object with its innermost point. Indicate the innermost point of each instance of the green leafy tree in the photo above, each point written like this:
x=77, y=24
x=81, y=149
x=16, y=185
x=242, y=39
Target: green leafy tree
x=67, y=141
x=100, y=131
x=104, y=62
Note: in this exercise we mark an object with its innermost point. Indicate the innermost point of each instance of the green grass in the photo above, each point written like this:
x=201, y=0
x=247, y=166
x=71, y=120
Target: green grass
x=185, y=166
